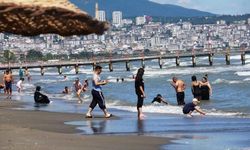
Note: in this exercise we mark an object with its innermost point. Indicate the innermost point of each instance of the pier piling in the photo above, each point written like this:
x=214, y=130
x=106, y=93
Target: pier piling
x=76, y=68
x=227, y=58
x=210, y=59
x=110, y=66
x=59, y=69
x=193, y=60
x=94, y=64
x=127, y=66
x=42, y=70
x=177, y=60
x=243, y=58
x=143, y=63
x=160, y=62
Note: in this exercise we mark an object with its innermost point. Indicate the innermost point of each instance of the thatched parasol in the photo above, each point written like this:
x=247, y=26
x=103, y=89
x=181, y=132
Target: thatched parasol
x=34, y=17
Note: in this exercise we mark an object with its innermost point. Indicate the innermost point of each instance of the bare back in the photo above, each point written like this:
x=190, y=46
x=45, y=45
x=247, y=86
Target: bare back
x=180, y=86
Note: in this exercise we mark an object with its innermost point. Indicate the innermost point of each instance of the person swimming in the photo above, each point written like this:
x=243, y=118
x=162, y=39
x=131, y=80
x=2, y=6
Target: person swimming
x=159, y=99
x=66, y=90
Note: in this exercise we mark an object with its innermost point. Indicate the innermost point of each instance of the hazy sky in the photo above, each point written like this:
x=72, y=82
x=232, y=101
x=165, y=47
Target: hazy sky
x=215, y=6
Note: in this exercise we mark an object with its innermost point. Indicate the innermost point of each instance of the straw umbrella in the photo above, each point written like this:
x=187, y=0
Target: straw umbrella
x=34, y=17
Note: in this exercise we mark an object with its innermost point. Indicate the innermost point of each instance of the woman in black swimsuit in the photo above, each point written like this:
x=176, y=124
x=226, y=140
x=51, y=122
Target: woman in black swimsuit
x=206, y=89
x=196, y=88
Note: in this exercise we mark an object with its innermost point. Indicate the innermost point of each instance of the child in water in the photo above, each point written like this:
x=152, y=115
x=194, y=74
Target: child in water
x=19, y=85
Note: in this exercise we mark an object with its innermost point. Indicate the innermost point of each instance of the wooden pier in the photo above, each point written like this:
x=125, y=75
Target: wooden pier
x=127, y=60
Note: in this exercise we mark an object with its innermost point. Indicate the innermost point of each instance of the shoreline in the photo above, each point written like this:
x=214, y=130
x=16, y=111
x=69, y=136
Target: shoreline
x=28, y=129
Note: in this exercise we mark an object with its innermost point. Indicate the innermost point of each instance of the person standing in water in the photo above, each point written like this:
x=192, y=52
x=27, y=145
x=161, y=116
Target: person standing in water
x=78, y=87
x=206, y=89
x=82, y=88
x=195, y=87
x=20, y=72
x=19, y=85
x=139, y=90
x=8, y=79
x=97, y=94
x=179, y=87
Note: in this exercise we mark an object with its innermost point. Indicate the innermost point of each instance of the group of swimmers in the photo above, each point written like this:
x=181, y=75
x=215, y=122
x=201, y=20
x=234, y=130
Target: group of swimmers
x=201, y=90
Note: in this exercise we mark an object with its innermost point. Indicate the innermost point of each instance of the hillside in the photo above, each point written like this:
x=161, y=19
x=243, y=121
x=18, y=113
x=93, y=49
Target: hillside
x=132, y=8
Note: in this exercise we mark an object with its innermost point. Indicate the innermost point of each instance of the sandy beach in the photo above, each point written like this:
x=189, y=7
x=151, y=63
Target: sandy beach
x=39, y=130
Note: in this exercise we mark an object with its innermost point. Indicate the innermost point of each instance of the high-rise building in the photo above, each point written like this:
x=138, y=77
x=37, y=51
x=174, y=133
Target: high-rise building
x=96, y=11
x=248, y=20
x=101, y=15
x=117, y=18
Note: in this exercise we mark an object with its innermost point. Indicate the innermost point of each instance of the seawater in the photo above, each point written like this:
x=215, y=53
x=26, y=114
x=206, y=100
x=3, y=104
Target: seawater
x=227, y=111
x=230, y=86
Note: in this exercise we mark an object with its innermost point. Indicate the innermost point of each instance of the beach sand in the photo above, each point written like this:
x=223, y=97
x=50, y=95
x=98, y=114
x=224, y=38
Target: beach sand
x=39, y=130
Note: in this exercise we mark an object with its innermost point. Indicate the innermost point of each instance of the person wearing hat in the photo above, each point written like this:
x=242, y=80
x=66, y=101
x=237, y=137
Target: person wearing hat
x=190, y=107
x=159, y=99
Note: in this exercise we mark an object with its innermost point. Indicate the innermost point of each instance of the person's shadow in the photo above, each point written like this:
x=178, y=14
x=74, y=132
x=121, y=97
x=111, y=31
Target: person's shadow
x=140, y=127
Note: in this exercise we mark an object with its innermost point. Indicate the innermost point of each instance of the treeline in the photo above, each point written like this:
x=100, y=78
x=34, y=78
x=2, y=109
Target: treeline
x=203, y=20
x=35, y=55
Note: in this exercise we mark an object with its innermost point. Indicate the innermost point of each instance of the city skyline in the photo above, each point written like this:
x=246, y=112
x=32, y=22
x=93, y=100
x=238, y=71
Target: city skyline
x=221, y=7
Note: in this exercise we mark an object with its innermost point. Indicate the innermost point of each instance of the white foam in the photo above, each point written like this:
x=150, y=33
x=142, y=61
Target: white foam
x=247, y=79
x=218, y=81
x=176, y=110
x=48, y=81
x=243, y=73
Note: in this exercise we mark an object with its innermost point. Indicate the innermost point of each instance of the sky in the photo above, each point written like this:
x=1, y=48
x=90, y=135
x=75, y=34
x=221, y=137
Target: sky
x=222, y=7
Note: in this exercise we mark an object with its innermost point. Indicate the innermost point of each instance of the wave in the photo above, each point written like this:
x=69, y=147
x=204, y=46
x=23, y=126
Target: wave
x=153, y=72
x=176, y=110
x=247, y=79
x=218, y=81
x=243, y=73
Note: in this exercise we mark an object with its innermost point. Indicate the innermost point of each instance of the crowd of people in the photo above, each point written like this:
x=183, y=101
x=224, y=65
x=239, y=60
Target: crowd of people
x=201, y=90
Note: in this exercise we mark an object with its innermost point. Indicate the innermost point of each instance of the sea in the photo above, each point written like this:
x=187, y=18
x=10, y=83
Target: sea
x=226, y=125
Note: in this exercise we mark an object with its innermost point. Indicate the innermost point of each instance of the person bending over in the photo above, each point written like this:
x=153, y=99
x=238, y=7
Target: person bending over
x=190, y=107
x=159, y=99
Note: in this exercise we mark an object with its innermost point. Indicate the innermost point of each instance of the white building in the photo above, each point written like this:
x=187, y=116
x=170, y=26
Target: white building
x=222, y=22
x=155, y=41
x=127, y=21
x=117, y=18
x=248, y=20
x=140, y=20
x=101, y=15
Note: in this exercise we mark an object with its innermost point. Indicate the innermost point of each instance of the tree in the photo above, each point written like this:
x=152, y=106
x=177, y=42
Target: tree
x=34, y=55
x=48, y=56
x=9, y=56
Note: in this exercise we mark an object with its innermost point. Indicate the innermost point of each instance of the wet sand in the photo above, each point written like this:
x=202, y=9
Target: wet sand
x=39, y=130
